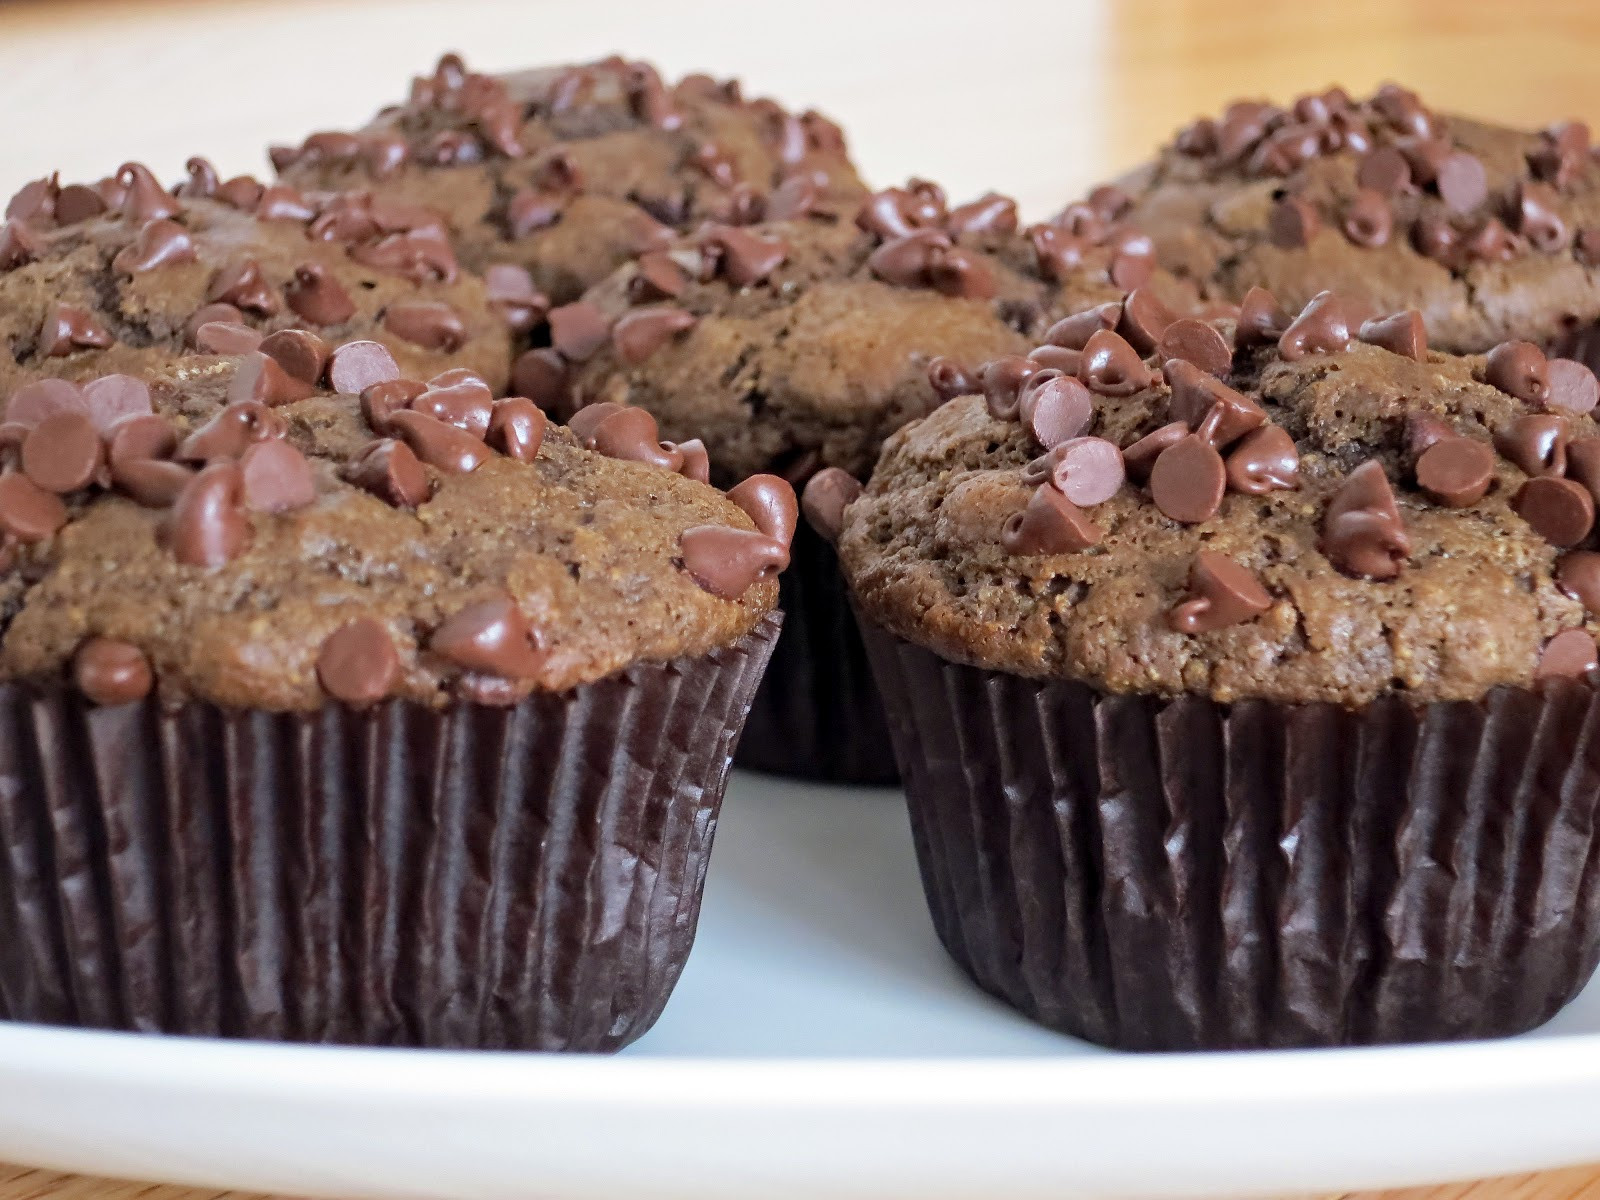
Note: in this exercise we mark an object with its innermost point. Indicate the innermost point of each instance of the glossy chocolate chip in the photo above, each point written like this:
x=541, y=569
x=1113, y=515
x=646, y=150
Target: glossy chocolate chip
x=578, y=330
x=1221, y=593
x=492, y=636
x=242, y=285
x=452, y=450
x=1198, y=343
x=392, y=472
x=1262, y=320
x=1055, y=408
x=1560, y=510
x=302, y=354
x=63, y=453
x=1142, y=320
x=356, y=366
x=950, y=379
x=1049, y=524
x=1402, y=333
x=458, y=397
x=1456, y=471
x=232, y=431
x=1003, y=379
x=260, y=378
x=827, y=494
x=630, y=434
x=1210, y=407
x=158, y=244
x=111, y=672
x=357, y=663
x=743, y=258
x=770, y=502
x=509, y=289
x=517, y=428
x=1578, y=575
x=1074, y=332
x=643, y=331
x=68, y=328
x=1362, y=532
x=1435, y=238
x=1265, y=460
x=1321, y=328
x=1539, y=220
x=1568, y=655
x=1519, y=369
x=1424, y=430
x=1139, y=457
x=277, y=478
x=727, y=562
x=990, y=213
x=1112, y=367
x=1294, y=221
x=1087, y=470
x=18, y=245
x=1188, y=480
x=318, y=297
x=29, y=513
x=1368, y=220
x=144, y=199
x=209, y=527
x=1535, y=442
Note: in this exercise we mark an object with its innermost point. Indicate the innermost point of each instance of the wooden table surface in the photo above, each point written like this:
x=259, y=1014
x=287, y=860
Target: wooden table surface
x=1037, y=98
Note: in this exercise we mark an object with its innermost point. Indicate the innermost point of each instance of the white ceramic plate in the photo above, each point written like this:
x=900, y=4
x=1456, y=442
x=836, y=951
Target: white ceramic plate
x=820, y=1046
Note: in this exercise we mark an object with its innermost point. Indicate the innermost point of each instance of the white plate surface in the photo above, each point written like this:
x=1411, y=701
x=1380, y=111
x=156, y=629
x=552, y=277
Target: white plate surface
x=820, y=1046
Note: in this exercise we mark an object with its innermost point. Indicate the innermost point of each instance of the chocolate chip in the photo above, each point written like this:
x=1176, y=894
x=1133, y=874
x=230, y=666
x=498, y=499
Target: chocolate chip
x=1294, y=221
x=908, y=261
x=793, y=199
x=1436, y=238
x=452, y=450
x=990, y=213
x=212, y=314
x=357, y=662
x=1568, y=655
x=158, y=244
x=231, y=432
x=1221, y=593
x=226, y=338
x=391, y=471
x=1050, y=524
x=828, y=493
x=1059, y=253
x=111, y=672
x=657, y=276
x=1262, y=320
x=1002, y=384
x=67, y=328
x=1536, y=443
x=144, y=199
x=1519, y=369
x=770, y=502
x=431, y=324
x=1560, y=510
x=1403, y=334
x=516, y=428
x=1144, y=319
x=35, y=203
x=1385, y=171
x=318, y=297
x=1087, y=470
x=152, y=483
x=1456, y=472
x=1140, y=457
x=950, y=379
x=726, y=562
x=301, y=353
x=896, y=213
x=510, y=292
x=283, y=203
x=697, y=462
x=1362, y=533
x=1188, y=480
x=1111, y=367
x=259, y=377
x=640, y=333
x=578, y=330
x=18, y=245
x=277, y=478
x=138, y=437
x=42, y=398
x=458, y=397
x=1074, y=332
x=1368, y=221
x=541, y=376
x=209, y=526
x=491, y=636
x=1215, y=411
x=356, y=366
x=1198, y=343
x=742, y=257
x=78, y=203
x=1538, y=221
x=1055, y=408
x=1266, y=460
x=1461, y=182
x=1321, y=328
x=1132, y=265
x=242, y=285
x=29, y=513
x=1573, y=387
x=1578, y=575
x=630, y=434
x=63, y=453
x=1424, y=430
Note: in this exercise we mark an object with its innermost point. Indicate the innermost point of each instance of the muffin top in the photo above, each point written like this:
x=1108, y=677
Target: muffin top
x=379, y=537
x=1290, y=509
x=125, y=276
x=568, y=171
x=1490, y=233
x=804, y=342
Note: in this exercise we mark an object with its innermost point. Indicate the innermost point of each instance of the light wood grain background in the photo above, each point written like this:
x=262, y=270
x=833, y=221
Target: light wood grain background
x=1038, y=98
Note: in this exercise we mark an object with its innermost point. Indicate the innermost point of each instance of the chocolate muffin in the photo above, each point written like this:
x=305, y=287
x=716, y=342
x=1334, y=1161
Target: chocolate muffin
x=1244, y=691
x=393, y=718
x=126, y=277
x=569, y=171
x=1492, y=234
x=801, y=344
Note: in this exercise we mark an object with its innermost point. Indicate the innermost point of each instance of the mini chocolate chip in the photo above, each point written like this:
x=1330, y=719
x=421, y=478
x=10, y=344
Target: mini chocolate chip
x=1536, y=443
x=1055, y=408
x=1262, y=320
x=1573, y=387
x=578, y=330
x=391, y=471
x=301, y=353
x=1221, y=593
x=516, y=428
x=1087, y=470
x=277, y=478
x=742, y=257
x=1568, y=655
x=1560, y=510
x=1140, y=456
x=358, y=663
x=990, y=213
x=318, y=297
x=1198, y=343
x=1403, y=333
x=144, y=198
x=1362, y=533
x=63, y=453
x=1519, y=369
x=827, y=494
x=1210, y=407
x=1074, y=332
x=356, y=366
x=1144, y=317
x=1050, y=524
x=259, y=377
x=1538, y=221
x=111, y=672
x=950, y=379
x=1111, y=367
x=452, y=450
x=1266, y=460
x=1188, y=480
x=492, y=636
x=1294, y=221
x=1368, y=220
x=1456, y=472
x=1461, y=182
x=160, y=243
x=1002, y=384
x=1321, y=328
x=226, y=338
x=640, y=333
x=242, y=285
x=209, y=527
x=1578, y=575
x=431, y=324
x=232, y=431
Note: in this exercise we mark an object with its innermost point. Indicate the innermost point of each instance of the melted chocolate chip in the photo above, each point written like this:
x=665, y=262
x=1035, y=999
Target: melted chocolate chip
x=1112, y=367
x=226, y=338
x=1002, y=384
x=1143, y=318
x=1537, y=443
x=452, y=450
x=68, y=328
x=259, y=377
x=232, y=431
x=158, y=244
x=769, y=502
x=950, y=379
x=1538, y=219
x=1461, y=182
x=743, y=258
x=517, y=428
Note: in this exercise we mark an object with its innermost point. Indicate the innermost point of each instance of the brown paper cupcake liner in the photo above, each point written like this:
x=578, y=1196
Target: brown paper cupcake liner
x=524, y=878
x=1178, y=874
x=817, y=714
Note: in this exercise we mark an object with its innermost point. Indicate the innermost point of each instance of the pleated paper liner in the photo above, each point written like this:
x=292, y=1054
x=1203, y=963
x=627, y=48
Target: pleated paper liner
x=490, y=878
x=817, y=714
x=1177, y=874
